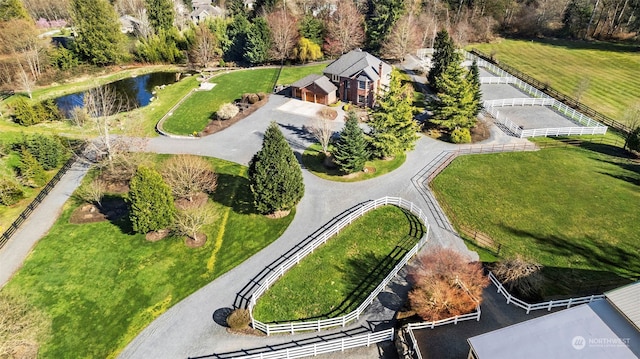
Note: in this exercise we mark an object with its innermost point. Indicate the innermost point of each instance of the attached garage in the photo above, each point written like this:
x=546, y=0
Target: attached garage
x=314, y=88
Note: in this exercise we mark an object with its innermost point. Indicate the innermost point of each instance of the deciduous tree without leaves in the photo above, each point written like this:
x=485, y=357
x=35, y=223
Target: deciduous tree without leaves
x=188, y=175
x=345, y=29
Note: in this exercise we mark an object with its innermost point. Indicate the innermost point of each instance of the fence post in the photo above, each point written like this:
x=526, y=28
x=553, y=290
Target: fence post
x=550, y=305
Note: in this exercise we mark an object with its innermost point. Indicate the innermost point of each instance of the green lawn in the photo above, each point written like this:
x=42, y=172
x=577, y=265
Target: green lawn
x=611, y=70
x=292, y=74
x=344, y=270
x=101, y=285
x=572, y=210
x=196, y=112
x=312, y=158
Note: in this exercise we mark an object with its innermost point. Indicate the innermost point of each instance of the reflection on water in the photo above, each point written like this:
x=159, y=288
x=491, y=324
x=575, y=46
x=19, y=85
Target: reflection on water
x=131, y=92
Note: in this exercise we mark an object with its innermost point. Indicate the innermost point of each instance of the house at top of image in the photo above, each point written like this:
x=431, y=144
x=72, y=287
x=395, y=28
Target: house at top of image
x=357, y=77
x=607, y=328
x=203, y=9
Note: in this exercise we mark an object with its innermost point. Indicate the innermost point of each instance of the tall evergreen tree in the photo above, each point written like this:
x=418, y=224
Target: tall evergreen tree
x=275, y=175
x=256, y=48
x=160, y=13
x=31, y=171
x=237, y=32
x=393, y=129
x=312, y=28
x=151, y=202
x=444, y=53
x=381, y=17
x=473, y=76
x=456, y=105
x=98, y=37
x=350, y=151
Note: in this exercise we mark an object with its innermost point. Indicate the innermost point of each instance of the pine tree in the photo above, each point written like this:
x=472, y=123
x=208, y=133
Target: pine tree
x=444, y=53
x=456, y=105
x=32, y=173
x=98, y=37
x=381, y=17
x=256, y=48
x=473, y=76
x=151, y=202
x=393, y=129
x=275, y=175
x=160, y=14
x=350, y=151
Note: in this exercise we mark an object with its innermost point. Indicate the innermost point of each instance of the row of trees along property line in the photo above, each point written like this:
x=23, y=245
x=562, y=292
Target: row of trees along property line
x=273, y=30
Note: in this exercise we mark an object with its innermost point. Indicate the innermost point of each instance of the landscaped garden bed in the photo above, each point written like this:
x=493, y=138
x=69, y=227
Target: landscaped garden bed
x=571, y=210
x=314, y=160
x=100, y=284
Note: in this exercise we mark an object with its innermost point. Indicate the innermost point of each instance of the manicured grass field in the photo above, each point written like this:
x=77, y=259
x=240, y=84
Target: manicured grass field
x=344, y=270
x=611, y=70
x=573, y=210
x=101, y=285
x=196, y=112
x=312, y=158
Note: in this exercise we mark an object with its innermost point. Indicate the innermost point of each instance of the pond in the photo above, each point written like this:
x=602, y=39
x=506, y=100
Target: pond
x=127, y=94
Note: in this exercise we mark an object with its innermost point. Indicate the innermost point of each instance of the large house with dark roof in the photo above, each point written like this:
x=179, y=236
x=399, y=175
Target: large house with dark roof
x=359, y=77
x=356, y=77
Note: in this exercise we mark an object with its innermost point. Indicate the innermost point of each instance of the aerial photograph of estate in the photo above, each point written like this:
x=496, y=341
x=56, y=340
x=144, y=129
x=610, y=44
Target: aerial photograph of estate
x=360, y=179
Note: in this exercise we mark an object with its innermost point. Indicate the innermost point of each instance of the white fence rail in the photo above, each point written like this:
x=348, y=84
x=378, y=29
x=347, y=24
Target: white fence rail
x=453, y=320
x=414, y=344
x=321, y=239
x=566, y=303
x=590, y=127
x=325, y=347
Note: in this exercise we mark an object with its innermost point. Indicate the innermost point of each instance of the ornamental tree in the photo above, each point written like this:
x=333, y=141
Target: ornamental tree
x=151, y=202
x=275, y=175
x=393, y=129
x=350, y=152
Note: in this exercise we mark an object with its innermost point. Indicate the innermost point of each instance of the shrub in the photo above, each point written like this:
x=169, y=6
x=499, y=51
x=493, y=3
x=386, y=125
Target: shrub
x=10, y=191
x=262, y=95
x=253, y=98
x=188, y=175
x=346, y=107
x=227, y=111
x=445, y=284
x=328, y=113
x=239, y=319
x=461, y=135
x=522, y=278
x=48, y=150
x=152, y=206
x=26, y=114
x=32, y=173
x=79, y=116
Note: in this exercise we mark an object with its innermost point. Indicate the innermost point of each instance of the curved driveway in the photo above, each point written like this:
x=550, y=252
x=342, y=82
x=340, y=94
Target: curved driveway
x=188, y=329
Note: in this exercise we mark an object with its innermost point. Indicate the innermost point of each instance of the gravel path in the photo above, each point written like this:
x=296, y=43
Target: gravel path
x=189, y=328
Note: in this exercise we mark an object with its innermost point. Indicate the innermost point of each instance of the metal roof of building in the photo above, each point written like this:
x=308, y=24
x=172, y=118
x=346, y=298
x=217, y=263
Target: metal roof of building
x=627, y=300
x=589, y=331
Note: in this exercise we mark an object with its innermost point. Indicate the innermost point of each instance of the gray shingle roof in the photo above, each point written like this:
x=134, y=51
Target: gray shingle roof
x=627, y=301
x=320, y=80
x=356, y=61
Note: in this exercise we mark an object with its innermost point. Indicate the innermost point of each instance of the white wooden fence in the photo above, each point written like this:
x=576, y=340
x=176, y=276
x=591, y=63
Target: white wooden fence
x=566, y=303
x=329, y=346
x=321, y=239
x=453, y=320
x=590, y=127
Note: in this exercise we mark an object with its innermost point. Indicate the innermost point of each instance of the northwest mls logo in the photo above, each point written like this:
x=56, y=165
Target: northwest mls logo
x=578, y=342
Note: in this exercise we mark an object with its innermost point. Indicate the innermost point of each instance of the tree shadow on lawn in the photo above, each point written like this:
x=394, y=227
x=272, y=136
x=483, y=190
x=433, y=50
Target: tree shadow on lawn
x=573, y=282
x=627, y=166
x=234, y=192
x=614, y=260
